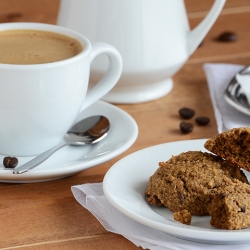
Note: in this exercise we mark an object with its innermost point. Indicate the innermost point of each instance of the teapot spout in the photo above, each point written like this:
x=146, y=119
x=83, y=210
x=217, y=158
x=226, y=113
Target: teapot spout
x=196, y=36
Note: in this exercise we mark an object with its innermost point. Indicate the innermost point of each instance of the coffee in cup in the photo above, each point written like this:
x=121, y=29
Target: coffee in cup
x=36, y=47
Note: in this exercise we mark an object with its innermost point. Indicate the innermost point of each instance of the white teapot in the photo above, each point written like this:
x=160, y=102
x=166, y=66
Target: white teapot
x=153, y=37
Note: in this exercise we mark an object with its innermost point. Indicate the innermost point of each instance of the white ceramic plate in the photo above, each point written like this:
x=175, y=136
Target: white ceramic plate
x=74, y=159
x=125, y=184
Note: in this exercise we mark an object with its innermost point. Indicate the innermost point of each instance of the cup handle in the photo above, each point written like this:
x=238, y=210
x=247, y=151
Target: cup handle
x=111, y=77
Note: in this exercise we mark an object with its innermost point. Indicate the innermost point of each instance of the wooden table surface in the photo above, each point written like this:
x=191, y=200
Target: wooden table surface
x=46, y=215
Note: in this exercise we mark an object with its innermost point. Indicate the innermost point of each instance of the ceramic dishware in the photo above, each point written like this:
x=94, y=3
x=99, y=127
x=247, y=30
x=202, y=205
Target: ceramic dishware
x=39, y=102
x=153, y=38
x=126, y=192
x=72, y=160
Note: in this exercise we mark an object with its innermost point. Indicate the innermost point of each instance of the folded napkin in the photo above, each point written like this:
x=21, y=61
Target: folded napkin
x=218, y=77
x=92, y=198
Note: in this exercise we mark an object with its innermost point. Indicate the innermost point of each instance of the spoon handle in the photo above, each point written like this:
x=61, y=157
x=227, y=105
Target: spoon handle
x=37, y=160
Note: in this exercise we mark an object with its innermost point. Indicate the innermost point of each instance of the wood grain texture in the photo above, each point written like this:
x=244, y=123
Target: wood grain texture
x=212, y=50
x=44, y=11
x=46, y=215
x=197, y=7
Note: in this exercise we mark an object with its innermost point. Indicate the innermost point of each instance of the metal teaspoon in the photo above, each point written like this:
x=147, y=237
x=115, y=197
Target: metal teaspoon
x=87, y=131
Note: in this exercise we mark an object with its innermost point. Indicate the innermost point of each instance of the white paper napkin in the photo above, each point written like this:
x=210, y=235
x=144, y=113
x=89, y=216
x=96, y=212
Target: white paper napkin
x=92, y=198
x=218, y=77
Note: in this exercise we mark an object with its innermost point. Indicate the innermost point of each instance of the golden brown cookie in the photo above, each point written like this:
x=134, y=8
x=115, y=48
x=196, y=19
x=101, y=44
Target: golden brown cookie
x=190, y=180
x=233, y=145
x=230, y=209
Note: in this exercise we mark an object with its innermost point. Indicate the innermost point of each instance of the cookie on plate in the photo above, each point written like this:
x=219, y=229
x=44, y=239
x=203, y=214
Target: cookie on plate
x=190, y=180
x=233, y=145
x=230, y=209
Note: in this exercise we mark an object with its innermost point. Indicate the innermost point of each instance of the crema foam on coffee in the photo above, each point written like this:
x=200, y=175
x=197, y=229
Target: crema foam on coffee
x=36, y=47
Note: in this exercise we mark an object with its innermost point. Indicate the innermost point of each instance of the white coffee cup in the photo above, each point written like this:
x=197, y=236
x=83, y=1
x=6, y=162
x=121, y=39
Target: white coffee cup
x=40, y=102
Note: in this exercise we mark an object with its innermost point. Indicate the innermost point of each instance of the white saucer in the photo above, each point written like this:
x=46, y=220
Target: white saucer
x=125, y=183
x=74, y=159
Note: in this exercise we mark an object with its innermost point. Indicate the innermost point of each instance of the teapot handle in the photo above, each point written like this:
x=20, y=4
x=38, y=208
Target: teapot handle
x=196, y=36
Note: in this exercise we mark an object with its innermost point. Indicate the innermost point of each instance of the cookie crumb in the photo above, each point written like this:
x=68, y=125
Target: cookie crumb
x=184, y=217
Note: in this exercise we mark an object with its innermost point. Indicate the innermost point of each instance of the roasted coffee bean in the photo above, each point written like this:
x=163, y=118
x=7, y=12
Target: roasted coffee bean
x=10, y=162
x=227, y=36
x=186, y=127
x=186, y=113
x=202, y=120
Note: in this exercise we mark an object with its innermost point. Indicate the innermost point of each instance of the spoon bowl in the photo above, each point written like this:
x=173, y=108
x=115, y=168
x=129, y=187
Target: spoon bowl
x=87, y=131
x=235, y=95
